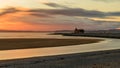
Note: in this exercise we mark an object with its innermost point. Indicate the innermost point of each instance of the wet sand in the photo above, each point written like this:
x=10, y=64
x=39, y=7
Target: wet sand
x=98, y=59
x=19, y=43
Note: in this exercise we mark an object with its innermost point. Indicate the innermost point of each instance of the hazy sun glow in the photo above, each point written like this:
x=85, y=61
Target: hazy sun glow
x=117, y=19
x=15, y=26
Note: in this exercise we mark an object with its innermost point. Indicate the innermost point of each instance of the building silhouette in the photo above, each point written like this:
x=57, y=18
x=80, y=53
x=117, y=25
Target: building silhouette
x=78, y=31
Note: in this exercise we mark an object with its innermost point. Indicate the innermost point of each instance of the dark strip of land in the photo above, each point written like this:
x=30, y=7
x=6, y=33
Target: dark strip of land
x=9, y=44
x=98, y=59
x=101, y=35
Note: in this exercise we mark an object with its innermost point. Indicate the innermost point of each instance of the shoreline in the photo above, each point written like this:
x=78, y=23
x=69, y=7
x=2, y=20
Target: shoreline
x=24, y=43
x=98, y=35
x=104, y=59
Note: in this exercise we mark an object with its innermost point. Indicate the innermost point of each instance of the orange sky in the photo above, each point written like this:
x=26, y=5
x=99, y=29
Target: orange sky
x=12, y=21
x=47, y=16
x=28, y=27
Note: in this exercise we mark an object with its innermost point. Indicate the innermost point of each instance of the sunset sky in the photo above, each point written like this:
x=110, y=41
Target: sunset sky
x=50, y=15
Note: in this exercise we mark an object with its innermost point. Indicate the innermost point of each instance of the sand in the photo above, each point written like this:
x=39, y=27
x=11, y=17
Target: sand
x=99, y=59
x=19, y=43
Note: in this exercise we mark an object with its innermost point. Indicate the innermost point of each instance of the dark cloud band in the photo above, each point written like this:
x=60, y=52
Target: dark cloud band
x=9, y=10
x=64, y=11
x=75, y=12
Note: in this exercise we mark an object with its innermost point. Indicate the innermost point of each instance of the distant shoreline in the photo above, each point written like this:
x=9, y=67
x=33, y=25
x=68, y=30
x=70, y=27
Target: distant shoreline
x=25, y=43
x=100, y=35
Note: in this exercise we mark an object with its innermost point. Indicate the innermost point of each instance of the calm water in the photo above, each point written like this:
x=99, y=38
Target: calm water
x=30, y=35
x=25, y=53
x=25, y=35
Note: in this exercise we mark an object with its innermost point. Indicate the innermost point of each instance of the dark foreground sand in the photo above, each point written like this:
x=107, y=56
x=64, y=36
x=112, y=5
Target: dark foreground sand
x=100, y=59
x=8, y=44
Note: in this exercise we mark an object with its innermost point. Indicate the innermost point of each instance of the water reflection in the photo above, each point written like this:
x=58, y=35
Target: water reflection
x=25, y=53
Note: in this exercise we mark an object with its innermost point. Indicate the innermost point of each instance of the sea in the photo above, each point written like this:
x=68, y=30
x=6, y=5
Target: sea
x=107, y=44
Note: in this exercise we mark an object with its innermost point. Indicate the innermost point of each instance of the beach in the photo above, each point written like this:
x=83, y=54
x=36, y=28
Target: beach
x=59, y=34
x=59, y=52
x=98, y=59
x=26, y=43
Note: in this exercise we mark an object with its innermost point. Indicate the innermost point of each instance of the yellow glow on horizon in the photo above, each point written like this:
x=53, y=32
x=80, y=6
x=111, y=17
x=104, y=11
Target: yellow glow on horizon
x=117, y=19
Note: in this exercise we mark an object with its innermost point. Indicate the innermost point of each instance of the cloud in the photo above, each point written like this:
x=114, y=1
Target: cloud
x=39, y=14
x=68, y=21
x=59, y=21
x=62, y=16
x=13, y=10
x=67, y=11
x=9, y=10
x=70, y=12
x=55, y=5
x=63, y=10
x=75, y=12
x=114, y=13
